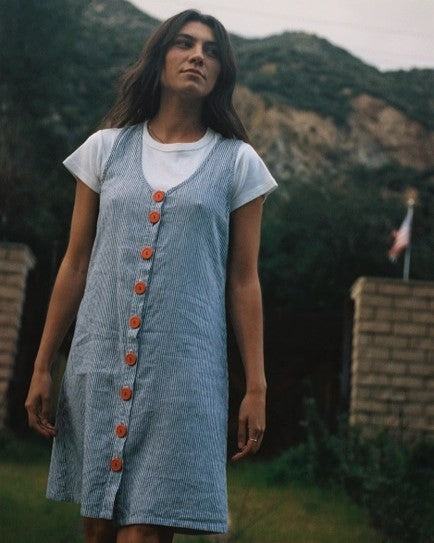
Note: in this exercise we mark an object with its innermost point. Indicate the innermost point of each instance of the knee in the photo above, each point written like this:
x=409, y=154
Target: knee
x=142, y=533
x=98, y=530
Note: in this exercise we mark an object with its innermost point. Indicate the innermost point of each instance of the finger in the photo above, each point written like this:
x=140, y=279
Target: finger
x=36, y=422
x=37, y=425
x=245, y=451
x=45, y=432
x=44, y=418
x=255, y=436
x=45, y=414
x=48, y=427
x=45, y=408
x=242, y=433
x=32, y=416
x=44, y=427
x=256, y=443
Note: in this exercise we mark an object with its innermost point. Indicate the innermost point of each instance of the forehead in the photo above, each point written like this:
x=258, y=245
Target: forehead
x=198, y=30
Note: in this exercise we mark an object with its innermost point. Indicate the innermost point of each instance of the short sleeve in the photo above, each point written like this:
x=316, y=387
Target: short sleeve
x=252, y=178
x=88, y=161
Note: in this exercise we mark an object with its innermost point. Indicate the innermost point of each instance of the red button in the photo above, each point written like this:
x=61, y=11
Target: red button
x=140, y=287
x=135, y=322
x=121, y=430
x=158, y=196
x=126, y=393
x=154, y=217
x=116, y=464
x=131, y=359
x=147, y=253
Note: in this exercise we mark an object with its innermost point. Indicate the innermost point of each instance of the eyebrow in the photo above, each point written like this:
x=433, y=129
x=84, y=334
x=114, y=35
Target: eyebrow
x=190, y=37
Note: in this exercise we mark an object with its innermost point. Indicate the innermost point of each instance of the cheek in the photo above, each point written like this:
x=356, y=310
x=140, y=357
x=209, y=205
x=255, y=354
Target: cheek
x=168, y=67
x=163, y=78
x=215, y=73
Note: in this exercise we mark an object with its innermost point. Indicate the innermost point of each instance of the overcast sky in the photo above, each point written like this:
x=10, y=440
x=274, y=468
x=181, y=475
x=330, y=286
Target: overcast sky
x=388, y=34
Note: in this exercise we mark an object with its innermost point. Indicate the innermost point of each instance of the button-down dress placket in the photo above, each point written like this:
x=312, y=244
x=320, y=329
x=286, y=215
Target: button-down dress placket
x=153, y=209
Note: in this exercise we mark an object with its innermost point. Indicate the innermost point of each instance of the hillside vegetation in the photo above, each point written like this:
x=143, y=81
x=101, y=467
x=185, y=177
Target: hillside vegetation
x=308, y=72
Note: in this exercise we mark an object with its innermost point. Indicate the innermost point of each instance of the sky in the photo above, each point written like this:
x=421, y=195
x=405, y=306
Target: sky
x=387, y=34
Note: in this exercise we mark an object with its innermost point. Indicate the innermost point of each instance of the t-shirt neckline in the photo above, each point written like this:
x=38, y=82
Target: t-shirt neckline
x=140, y=150
x=148, y=140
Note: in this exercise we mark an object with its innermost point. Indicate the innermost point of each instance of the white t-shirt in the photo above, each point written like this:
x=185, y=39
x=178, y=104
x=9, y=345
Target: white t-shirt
x=165, y=165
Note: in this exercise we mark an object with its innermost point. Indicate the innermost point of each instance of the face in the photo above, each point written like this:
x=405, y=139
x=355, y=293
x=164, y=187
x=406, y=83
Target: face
x=192, y=64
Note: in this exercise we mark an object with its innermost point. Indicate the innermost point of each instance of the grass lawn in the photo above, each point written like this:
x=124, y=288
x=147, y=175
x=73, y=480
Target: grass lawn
x=25, y=515
x=260, y=514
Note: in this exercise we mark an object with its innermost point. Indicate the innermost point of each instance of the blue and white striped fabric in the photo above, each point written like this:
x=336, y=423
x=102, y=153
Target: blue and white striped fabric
x=167, y=463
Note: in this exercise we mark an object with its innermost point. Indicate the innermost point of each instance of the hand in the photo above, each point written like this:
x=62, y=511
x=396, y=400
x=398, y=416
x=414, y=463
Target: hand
x=251, y=424
x=38, y=404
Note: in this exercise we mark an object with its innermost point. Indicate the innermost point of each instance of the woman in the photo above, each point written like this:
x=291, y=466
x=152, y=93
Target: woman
x=166, y=218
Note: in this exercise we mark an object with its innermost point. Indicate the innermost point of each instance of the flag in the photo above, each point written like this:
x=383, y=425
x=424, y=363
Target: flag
x=401, y=237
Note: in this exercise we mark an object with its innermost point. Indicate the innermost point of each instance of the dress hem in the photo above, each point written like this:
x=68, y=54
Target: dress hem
x=179, y=526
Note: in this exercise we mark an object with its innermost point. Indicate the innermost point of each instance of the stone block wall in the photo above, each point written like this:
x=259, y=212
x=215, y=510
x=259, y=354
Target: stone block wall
x=392, y=370
x=15, y=262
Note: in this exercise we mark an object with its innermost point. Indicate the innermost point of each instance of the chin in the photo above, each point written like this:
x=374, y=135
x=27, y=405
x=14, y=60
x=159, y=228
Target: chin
x=194, y=92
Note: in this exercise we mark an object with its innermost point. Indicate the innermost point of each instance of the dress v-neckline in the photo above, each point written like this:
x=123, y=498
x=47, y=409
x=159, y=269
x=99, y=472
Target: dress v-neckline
x=197, y=172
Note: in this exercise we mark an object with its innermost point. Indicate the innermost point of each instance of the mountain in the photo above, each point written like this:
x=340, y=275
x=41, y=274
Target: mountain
x=327, y=111
x=300, y=143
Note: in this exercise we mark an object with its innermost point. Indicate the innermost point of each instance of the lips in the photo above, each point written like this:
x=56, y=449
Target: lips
x=193, y=71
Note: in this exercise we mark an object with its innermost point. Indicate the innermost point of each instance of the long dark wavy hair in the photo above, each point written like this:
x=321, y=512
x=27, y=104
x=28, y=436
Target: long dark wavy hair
x=139, y=94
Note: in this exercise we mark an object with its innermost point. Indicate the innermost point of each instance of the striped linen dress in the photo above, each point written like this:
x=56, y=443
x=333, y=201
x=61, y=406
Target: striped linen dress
x=142, y=413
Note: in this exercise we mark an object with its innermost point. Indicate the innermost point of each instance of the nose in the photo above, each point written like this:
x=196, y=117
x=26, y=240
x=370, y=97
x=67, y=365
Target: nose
x=197, y=54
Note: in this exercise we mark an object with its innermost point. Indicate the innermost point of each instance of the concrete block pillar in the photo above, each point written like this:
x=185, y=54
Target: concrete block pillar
x=392, y=369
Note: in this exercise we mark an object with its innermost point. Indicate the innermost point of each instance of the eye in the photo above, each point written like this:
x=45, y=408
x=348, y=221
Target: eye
x=183, y=43
x=212, y=50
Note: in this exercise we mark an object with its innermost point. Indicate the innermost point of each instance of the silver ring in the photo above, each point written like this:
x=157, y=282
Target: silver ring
x=253, y=439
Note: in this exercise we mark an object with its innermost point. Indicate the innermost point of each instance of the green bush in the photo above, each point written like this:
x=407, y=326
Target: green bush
x=394, y=481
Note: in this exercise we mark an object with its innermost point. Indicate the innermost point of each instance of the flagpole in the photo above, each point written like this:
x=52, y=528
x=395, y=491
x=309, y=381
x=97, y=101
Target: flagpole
x=407, y=256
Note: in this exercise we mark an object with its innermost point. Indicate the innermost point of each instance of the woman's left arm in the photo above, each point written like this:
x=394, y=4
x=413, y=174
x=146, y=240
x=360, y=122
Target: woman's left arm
x=245, y=309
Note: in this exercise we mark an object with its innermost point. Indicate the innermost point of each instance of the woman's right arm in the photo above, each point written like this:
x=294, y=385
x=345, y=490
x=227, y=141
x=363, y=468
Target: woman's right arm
x=65, y=300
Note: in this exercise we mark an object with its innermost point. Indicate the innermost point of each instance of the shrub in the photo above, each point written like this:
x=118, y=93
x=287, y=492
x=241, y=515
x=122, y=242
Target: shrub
x=394, y=481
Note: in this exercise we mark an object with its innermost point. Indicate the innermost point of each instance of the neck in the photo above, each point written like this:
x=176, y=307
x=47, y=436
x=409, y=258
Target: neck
x=177, y=121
